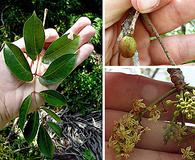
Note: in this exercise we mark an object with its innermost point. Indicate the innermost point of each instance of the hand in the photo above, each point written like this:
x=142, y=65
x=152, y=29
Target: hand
x=120, y=91
x=13, y=91
x=166, y=15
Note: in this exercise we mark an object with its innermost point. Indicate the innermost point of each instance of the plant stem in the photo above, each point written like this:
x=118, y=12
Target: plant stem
x=45, y=16
x=167, y=94
x=153, y=29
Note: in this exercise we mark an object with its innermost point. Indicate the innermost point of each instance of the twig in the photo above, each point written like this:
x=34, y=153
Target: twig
x=134, y=20
x=160, y=99
x=155, y=72
x=152, y=27
x=45, y=16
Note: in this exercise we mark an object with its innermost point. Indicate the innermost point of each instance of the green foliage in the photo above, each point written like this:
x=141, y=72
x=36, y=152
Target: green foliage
x=83, y=88
x=59, y=69
x=16, y=62
x=34, y=36
x=31, y=127
x=53, y=97
x=56, y=49
x=87, y=154
x=24, y=109
x=52, y=114
x=56, y=129
x=63, y=62
x=45, y=143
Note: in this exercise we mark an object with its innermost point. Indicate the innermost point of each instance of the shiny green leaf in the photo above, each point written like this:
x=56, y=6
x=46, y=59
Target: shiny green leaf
x=34, y=36
x=60, y=47
x=31, y=128
x=24, y=109
x=52, y=114
x=53, y=97
x=59, y=69
x=17, y=63
x=45, y=143
x=55, y=128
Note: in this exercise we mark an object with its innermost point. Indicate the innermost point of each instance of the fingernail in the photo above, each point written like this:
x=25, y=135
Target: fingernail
x=147, y=5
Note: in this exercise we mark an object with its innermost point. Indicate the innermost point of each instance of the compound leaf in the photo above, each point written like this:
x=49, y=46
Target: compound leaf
x=59, y=69
x=17, y=63
x=53, y=97
x=45, y=143
x=31, y=128
x=60, y=47
x=52, y=114
x=55, y=128
x=24, y=109
x=34, y=36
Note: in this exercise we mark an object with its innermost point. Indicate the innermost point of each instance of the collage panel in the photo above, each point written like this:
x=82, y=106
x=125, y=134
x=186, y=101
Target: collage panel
x=149, y=33
x=51, y=80
x=149, y=113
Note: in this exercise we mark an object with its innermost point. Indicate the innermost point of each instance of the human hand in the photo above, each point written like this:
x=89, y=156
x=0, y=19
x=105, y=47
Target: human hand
x=13, y=91
x=119, y=99
x=166, y=15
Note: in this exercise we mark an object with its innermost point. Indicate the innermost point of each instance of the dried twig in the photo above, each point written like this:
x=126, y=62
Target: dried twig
x=153, y=29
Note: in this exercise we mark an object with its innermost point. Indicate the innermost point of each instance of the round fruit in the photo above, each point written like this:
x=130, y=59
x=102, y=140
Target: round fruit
x=127, y=46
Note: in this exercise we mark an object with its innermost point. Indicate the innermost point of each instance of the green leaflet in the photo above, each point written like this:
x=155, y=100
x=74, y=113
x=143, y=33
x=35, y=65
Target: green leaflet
x=34, y=36
x=24, y=109
x=31, y=128
x=52, y=114
x=55, y=128
x=45, y=143
x=53, y=97
x=17, y=63
x=59, y=69
x=60, y=47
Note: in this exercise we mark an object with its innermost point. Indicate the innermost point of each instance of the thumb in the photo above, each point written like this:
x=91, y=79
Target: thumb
x=145, y=6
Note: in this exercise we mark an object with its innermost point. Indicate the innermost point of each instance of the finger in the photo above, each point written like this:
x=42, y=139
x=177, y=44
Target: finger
x=50, y=36
x=85, y=34
x=154, y=135
x=181, y=49
x=144, y=6
x=114, y=10
x=79, y=25
x=173, y=15
x=142, y=154
x=122, y=95
x=84, y=52
x=111, y=35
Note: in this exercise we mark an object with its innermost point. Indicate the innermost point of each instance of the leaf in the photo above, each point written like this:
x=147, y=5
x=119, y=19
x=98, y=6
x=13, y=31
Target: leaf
x=192, y=61
x=24, y=109
x=53, y=97
x=59, y=70
x=55, y=128
x=52, y=114
x=30, y=131
x=34, y=36
x=17, y=63
x=60, y=47
x=45, y=143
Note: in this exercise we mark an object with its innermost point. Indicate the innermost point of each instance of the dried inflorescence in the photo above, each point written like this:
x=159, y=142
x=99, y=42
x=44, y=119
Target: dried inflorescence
x=128, y=130
x=175, y=132
x=125, y=135
x=188, y=154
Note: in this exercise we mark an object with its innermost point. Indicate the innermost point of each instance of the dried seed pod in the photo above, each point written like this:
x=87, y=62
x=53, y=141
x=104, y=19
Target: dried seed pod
x=127, y=46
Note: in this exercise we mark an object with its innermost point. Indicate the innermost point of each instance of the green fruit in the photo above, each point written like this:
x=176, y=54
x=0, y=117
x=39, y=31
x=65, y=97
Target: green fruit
x=127, y=46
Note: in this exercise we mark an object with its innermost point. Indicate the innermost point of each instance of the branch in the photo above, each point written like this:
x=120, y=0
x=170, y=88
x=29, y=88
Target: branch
x=153, y=29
